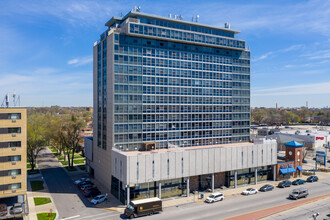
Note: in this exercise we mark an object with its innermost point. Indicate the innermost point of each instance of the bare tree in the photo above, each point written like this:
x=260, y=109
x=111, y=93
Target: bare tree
x=307, y=148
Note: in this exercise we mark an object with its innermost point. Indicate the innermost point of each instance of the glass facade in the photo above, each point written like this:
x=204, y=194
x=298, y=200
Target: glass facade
x=173, y=84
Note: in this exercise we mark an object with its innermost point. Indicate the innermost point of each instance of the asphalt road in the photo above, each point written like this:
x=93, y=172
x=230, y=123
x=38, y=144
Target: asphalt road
x=306, y=211
x=236, y=205
x=71, y=204
x=69, y=201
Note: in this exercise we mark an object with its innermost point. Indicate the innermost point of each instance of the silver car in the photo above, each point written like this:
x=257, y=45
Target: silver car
x=17, y=208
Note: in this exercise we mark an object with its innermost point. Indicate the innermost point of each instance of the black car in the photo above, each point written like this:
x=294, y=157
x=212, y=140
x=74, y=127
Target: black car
x=83, y=183
x=92, y=193
x=266, y=188
x=312, y=179
x=298, y=182
x=285, y=183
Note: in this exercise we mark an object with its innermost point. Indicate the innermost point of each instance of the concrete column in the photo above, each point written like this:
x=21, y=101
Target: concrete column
x=235, y=184
x=274, y=173
x=119, y=190
x=128, y=194
x=188, y=184
x=256, y=176
x=212, y=182
x=159, y=189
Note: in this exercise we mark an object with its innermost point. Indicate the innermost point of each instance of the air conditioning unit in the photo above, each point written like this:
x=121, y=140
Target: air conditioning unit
x=13, y=177
x=13, y=190
x=13, y=148
x=13, y=134
x=13, y=162
x=13, y=120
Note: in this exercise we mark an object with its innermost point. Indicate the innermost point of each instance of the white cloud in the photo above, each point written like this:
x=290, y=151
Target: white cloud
x=79, y=61
x=302, y=89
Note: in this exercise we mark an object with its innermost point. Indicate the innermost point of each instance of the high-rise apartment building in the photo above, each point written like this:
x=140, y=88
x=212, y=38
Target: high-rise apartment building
x=172, y=108
x=13, y=158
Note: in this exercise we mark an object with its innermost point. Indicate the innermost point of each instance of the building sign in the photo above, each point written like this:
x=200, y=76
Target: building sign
x=319, y=138
x=321, y=157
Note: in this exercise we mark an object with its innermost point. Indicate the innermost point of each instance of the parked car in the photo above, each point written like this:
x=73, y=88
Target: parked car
x=92, y=193
x=87, y=186
x=17, y=208
x=98, y=199
x=90, y=188
x=250, y=191
x=84, y=183
x=312, y=179
x=214, y=197
x=84, y=179
x=298, y=193
x=298, y=182
x=3, y=209
x=266, y=188
x=285, y=183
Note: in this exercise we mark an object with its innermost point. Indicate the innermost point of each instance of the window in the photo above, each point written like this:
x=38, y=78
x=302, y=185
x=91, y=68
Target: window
x=262, y=156
x=182, y=165
x=242, y=158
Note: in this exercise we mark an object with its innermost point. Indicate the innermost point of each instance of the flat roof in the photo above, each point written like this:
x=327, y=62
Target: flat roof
x=136, y=14
x=140, y=201
x=128, y=153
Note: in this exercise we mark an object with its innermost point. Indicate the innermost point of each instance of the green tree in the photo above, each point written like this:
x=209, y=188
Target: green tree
x=70, y=134
x=35, y=137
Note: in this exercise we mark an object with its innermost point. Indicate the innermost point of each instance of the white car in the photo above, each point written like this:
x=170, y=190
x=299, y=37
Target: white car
x=214, y=197
x=98, y=199
x=250, y=191
x=82, y=180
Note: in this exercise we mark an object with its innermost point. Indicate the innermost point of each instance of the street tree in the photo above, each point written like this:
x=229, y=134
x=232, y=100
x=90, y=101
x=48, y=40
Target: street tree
x=35, y=138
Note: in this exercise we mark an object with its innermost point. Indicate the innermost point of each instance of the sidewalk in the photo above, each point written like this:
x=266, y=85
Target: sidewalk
x=113, y=204
x=46, y=208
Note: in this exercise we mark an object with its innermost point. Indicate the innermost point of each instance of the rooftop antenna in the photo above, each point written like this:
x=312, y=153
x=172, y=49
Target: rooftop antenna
x=176, y=16
x=7, y=100
x=170, y=15
x=197, y=18
x=227, y=25
x=192, y=18
x=181, y=17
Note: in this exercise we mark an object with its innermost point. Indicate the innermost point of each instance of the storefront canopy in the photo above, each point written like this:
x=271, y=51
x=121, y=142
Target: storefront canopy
x=293, y=144
x=287, y=170
x=299, y=168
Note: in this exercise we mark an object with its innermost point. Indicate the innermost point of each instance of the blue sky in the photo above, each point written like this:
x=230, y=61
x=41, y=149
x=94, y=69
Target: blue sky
x=46, y=46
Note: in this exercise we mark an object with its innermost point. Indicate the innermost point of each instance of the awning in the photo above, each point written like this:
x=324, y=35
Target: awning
x=291, y=170
x=299, y=168
x=284, y=171
x=287, y=170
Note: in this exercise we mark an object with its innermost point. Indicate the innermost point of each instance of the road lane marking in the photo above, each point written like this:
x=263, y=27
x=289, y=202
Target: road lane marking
x=294, y=208
x=75, y=216
x=256, y=211
x=106, y=215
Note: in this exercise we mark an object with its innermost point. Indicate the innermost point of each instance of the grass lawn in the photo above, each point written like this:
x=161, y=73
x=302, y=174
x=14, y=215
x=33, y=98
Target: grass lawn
x=44, y=216
x=82, y=167
x=28, y=166
x=37, y=185
x=79, y=161
x=64, y=163
x=78, y=156
x=70, y=169
x=53, y=150
x=34, y=172
x=41, y=200
x=60, y=157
